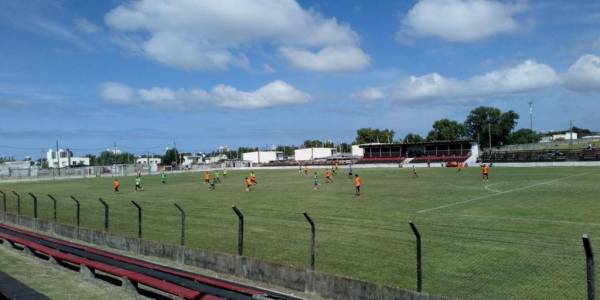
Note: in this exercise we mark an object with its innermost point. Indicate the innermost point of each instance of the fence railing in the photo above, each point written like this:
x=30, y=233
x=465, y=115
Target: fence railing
x=588, y=286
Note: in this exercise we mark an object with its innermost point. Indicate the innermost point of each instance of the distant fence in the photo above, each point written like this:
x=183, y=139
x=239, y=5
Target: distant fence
x=35, y=173
x=558, y=268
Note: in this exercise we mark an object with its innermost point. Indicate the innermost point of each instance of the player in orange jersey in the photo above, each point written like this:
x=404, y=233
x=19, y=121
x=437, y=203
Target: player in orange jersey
x=116, y=184
x=357, y=184
x=485, y=172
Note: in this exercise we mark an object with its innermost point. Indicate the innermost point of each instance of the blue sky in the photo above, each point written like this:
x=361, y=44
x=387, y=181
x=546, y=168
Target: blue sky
x=202, y=74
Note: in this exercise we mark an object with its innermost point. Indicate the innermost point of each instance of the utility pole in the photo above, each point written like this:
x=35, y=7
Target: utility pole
x=490, y=135
x=530, y=121
x=57, y=158
x=571, y=134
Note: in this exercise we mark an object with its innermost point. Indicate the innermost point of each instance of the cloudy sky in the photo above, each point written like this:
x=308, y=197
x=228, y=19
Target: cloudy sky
x=203, y=73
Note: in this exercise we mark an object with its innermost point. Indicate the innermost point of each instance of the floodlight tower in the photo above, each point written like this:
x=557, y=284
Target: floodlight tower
x=530, y=121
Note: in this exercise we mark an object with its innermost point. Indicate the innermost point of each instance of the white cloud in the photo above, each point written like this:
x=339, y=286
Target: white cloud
x=525, y=77
x=86, y=26
x=584, y=75
x=213, y=34
x=371, y=93
x=276, y=93
x=460, y=20
x=332, y=58
x=116, y=92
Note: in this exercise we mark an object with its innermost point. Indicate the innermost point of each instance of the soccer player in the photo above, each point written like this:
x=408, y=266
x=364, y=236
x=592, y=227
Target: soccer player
x=163, y=177
x=248, y=183
x=337, y=167
x=327, y=175
x=350, y=171
x=305, y=170
x=138, y=184
x=414, y=172
x=212, y=185
x=459, y=167
x=316, y=182
x=217, y=176
x=485, y=172
x=224, y=173
x=357, y=184
x=253, y=178
x=116, y=184
x=206, y=177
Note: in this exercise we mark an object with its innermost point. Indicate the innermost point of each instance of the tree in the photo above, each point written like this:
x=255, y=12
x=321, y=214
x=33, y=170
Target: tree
x=445, y=129
x=413, y=138
x=108, y=158
x=581, y=132
x=287, y=150
x=170, y=157
x=370, y=135
x=523, y=136
x=312, y=143
x=482, y=119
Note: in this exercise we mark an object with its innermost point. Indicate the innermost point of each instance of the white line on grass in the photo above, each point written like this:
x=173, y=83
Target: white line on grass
x=488, y=187
x=500, y=193
x=518, y=219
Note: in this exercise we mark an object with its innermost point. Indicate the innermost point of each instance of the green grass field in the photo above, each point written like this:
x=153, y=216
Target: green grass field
x=518, y=236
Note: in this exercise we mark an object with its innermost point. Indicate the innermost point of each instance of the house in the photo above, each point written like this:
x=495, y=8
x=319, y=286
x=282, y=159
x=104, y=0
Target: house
x=215, y=159
x=65, y=158
x=563, y=136
x=192, y=159
x=148, y=161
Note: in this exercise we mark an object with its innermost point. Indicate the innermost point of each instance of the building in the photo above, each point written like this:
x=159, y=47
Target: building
x=215, y=159
x=192, y=159
x=258, y=157
x=432, y=151
x=565, y=136
x=65, y=159
x=148, y=161
x=313, y=153
x=357, y=151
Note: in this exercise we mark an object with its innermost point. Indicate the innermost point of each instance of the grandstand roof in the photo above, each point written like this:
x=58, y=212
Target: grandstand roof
x=424, y=143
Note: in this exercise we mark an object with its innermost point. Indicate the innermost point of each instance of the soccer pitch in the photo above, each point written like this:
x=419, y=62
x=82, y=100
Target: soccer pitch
x=516, y=236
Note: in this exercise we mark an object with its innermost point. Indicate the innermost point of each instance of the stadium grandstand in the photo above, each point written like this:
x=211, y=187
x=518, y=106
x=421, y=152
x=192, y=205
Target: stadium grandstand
x=423, y=152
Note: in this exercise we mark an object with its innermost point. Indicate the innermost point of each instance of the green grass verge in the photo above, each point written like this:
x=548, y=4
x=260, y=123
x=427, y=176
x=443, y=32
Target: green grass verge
x=517, y=236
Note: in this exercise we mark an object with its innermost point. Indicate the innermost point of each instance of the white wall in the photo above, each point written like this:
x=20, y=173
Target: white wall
x=357, y=151
x=260, y=157
x=312, y=153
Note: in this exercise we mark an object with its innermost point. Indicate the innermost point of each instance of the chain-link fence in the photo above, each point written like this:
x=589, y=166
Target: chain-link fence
x=476, y=262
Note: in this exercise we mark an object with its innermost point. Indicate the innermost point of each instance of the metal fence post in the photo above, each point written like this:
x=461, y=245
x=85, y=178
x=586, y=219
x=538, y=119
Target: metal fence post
x=240, y=230
x=3, y=200
x=313, y=247
x=105, y=214
x=34, y=205
x=18, y=202
x=589, y=257
x=182, y=243
x=77, y=211
x=139, y=219
x=53, y=205
x=418, y=242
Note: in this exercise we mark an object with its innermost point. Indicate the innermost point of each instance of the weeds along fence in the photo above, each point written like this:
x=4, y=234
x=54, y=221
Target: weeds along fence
x=431, y=255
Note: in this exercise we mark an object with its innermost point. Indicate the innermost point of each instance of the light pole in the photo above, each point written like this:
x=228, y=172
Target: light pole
x=530, y=121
